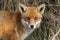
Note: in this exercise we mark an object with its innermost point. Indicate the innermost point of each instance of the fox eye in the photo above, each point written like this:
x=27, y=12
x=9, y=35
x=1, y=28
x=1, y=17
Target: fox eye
x=36, y=18
x=28, y=18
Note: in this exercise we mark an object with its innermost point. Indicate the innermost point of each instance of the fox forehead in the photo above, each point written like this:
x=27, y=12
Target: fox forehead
x=32, y=12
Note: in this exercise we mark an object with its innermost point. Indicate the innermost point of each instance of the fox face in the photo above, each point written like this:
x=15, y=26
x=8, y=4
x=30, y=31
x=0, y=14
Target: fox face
x=31, y=16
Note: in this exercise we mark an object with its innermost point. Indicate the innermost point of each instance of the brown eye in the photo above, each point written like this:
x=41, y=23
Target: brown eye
x=37, y=18
x=28, y=18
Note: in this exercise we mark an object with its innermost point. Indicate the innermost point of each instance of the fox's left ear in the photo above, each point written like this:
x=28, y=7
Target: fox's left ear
x=41, y=8
x=22, y=8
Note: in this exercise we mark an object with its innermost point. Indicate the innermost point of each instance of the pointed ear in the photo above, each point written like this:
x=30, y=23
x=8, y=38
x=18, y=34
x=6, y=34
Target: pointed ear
x=41, y=8
x=22, y=8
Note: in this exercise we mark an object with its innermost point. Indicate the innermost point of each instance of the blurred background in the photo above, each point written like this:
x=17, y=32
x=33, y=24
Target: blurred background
x=50, y=25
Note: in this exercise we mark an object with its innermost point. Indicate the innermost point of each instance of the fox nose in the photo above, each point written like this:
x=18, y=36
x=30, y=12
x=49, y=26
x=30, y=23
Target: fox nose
x=32, y=26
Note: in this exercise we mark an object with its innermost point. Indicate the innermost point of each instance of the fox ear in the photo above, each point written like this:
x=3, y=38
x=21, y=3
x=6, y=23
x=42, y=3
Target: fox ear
x=22, y=8
x=41, y=8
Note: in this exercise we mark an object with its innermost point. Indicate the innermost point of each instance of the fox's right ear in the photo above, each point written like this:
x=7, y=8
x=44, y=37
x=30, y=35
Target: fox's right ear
x=22, y=8
x=41, y=8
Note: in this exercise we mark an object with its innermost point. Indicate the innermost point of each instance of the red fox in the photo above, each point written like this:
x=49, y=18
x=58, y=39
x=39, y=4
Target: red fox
x=19, y=25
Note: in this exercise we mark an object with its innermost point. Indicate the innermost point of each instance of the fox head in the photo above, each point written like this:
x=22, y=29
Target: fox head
x=31, y=16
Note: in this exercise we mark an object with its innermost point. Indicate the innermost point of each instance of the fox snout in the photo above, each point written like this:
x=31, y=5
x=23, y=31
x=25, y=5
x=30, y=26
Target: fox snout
x=32, y=26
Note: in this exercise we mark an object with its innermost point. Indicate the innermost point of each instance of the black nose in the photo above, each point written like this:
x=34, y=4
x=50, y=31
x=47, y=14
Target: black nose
x=32, y=26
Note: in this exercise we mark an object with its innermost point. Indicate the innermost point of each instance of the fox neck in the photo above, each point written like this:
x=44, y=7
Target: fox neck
x=26, y=33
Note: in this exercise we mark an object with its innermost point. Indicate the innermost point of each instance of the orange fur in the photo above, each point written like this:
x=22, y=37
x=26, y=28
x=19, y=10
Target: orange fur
x=8, y=23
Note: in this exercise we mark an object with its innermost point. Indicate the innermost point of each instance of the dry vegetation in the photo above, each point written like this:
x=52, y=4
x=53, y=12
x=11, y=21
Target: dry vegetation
x=50, y=25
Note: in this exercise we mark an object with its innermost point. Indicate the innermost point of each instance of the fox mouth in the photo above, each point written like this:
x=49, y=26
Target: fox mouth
x=30, y=26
